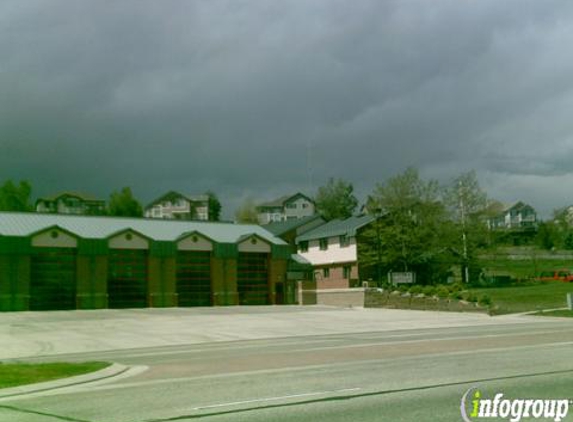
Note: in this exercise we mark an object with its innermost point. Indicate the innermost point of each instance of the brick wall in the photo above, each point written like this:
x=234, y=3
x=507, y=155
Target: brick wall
x=335, y=278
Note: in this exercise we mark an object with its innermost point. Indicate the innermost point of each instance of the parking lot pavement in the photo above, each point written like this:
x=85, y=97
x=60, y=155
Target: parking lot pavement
x=28, y=334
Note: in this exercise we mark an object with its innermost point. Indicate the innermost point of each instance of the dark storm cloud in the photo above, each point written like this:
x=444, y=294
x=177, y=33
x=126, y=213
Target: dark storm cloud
x=229, y=95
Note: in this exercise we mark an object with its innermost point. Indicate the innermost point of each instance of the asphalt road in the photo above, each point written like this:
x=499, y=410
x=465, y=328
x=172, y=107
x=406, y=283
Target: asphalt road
x=408, y=374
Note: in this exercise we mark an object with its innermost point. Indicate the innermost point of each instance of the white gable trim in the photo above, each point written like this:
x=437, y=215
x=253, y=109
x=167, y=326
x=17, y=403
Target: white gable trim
x=254, y=244
x=54, y=238
x=128, y=240
x=195, y=242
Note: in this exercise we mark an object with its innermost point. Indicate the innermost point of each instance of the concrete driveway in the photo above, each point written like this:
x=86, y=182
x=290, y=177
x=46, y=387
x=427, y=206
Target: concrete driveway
x=33, y=334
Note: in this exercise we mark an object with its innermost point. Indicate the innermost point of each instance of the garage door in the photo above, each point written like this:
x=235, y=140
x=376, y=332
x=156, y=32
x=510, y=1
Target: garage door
x=252, y=278
x=194, y=278
x=127, y=278
x=53, y=279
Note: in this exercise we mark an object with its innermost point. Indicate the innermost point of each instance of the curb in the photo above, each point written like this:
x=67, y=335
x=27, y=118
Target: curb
x=111, y=371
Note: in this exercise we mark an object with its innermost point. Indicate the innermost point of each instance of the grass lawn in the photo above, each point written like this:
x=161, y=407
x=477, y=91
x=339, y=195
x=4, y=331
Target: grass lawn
x=523, y=269
x=561, y=313
x=548, y=295
x=14, y=374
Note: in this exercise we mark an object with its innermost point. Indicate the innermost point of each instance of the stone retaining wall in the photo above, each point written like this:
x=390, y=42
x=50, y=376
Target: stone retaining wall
x=376, y=299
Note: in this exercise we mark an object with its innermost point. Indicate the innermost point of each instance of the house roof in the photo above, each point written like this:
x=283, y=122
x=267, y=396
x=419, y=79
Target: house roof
x=25, y=224
x=280, y=202
x=174, y=194
x=519, y=205
x=281, y=227
x=337, y=227
x=82, y=196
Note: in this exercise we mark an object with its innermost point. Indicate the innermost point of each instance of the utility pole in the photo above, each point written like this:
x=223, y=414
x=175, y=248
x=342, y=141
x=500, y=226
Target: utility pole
x=378, y=213
x=464, y=236
x=309, y=166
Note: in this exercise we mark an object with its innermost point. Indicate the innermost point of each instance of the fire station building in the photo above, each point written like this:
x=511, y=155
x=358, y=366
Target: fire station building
x=50, y=262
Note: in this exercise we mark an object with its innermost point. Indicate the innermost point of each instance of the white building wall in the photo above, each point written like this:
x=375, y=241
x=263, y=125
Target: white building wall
x=301, y=208
x=168, y=209
x=334, y=254
x=269, y=217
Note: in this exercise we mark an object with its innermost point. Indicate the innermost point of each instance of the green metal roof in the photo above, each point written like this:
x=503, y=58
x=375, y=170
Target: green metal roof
x=299, y=263
x=299, y=259
x=281, y=227
x=337, y=227
x=87, y=227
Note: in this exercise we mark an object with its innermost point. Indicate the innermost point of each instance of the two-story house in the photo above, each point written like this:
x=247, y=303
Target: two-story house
x=332, y=249
x=71, y=203
x=289, y=207
x=515, y=216
x=174, y=205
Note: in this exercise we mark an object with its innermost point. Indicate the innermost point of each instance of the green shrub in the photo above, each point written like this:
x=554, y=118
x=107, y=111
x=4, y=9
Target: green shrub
x=429, y=290
x=416, y=289
x=471, y=297
x=442, y=292
x=484, y=300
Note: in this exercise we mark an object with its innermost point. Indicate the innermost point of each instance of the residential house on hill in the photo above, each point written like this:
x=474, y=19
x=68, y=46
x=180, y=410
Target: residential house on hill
x=71, y=203
x=515, y=216
x=332, y=249
x=174, y=205
x=289, y=207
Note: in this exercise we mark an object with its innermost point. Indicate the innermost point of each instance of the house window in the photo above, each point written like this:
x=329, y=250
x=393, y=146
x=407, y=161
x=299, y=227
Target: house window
x=346, y=270
x=303, y=246
x=326, y=272
x=305, y=205
x=291, y=206
x=344, y=241
x=323, y=244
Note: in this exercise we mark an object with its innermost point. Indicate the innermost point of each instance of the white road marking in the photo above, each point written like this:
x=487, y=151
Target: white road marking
x=277, y=398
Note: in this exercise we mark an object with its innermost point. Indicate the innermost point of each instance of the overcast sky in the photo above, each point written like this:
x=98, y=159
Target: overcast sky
x=240, y=96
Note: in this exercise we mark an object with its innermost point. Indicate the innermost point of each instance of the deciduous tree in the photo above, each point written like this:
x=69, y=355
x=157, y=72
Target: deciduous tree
x=247, y=212
x=124, y=204
x=413, y=228
x=15, y=197
x=214, y=206
x=467, y=204
x=336, y=199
